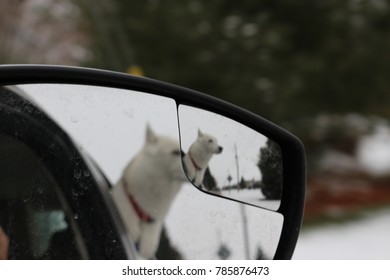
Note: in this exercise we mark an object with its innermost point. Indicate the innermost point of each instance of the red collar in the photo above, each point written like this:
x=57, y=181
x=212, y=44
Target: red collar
x=140, y=213
x=197, y=167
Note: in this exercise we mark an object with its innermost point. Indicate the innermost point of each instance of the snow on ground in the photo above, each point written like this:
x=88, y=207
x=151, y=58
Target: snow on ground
x=252, y=196
x=199, y=223
x=367, y=238
x=374, y=151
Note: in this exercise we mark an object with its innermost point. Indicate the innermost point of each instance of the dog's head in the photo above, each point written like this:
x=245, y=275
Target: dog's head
x=209, y=143
x=165, y=155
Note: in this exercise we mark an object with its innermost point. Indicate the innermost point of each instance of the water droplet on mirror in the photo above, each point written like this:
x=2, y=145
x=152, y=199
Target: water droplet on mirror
x=77, y=174
x=108, y=251
x=29, y=109
x=86, y=173
x=129, y=113
x=74, y=119
x=75, y=194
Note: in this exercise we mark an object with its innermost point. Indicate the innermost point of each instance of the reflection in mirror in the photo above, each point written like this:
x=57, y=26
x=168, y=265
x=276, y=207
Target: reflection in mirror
x=108, y=124
x=134, y=139
x=230, y=160
x=33, y=214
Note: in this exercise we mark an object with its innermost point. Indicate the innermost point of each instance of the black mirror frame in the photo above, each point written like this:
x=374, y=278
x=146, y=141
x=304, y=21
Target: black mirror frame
x=294, y=169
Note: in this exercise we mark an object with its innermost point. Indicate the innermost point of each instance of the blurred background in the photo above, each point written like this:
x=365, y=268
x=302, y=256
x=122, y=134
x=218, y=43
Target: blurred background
x=319, y=68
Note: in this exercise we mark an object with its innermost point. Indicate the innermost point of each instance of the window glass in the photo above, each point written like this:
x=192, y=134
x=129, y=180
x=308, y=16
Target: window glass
x=33, y=213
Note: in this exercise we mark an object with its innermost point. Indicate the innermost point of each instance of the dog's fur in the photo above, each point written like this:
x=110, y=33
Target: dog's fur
x=148, y=186
x=151, y=181
x=198, y=156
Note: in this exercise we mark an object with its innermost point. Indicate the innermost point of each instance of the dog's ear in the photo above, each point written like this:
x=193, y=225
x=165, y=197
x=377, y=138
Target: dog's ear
x=150, y=135
x=200, y=133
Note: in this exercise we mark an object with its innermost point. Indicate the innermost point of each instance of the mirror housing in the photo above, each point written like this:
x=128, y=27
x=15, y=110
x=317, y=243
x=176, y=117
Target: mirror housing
x=293, y=160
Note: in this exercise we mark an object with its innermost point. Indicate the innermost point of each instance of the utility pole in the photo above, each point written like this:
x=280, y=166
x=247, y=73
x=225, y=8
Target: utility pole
x=243, y=213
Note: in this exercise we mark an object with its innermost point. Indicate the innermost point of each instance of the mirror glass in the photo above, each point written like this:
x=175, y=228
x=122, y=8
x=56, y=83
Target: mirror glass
x=203, y=226
x=133, y=137
x=228, y=159
x=107, y=124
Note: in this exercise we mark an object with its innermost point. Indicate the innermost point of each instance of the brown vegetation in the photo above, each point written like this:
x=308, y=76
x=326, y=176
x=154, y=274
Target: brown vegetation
x=335, y=195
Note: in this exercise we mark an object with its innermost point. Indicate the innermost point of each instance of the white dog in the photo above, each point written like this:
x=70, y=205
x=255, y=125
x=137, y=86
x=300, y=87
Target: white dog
x=151, y=181
x=147, y=188
x=198, y=156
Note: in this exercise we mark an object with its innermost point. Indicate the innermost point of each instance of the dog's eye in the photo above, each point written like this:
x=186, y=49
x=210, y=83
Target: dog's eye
x=176, y=153
x=210, y=140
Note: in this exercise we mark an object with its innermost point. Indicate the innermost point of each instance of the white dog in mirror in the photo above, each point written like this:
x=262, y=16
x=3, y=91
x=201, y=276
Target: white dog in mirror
x=147, y=188
x=199, y=155
x=151, y=181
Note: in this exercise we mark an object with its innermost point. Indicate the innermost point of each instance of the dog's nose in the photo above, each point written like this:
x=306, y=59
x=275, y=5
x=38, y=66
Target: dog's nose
x=220, y=149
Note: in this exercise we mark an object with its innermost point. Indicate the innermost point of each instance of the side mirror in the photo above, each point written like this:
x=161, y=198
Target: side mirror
x=174, y=172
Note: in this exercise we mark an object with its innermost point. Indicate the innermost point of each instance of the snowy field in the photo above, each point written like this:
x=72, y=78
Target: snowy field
x=366, y=238
x=198, y=224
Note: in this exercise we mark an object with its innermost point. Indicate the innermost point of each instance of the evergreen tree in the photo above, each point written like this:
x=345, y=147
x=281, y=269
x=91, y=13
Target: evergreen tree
x=209, y=181
x=288, y=61
x=242, y=184
x=271, y=168
x=285, y=60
